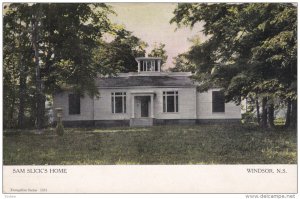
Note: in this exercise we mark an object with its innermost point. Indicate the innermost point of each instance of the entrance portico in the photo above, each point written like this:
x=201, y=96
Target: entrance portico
x=142, y=108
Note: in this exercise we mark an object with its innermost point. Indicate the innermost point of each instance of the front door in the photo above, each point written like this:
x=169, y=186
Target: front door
x=145, y=106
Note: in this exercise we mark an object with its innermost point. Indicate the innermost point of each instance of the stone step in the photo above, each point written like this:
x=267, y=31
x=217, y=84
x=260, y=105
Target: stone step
x=141, y=121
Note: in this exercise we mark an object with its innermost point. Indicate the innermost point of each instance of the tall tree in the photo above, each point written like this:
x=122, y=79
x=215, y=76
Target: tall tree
x=35, y=37
x=10, y=80
x=17, y=54
x=119, y=54
x=60, y=38
x=251, y=49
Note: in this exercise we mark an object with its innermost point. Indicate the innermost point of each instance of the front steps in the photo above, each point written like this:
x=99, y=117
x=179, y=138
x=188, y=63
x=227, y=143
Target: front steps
x=141, y=122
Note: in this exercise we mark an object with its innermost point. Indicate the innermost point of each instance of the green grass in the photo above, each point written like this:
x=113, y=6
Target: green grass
x=203, y=144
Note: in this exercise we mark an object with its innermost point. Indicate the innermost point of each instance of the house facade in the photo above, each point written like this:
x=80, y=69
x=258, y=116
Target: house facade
x=145, y=98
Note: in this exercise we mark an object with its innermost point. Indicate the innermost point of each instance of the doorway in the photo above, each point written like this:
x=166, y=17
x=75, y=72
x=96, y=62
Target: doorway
x=142, y=110
x=145, y=106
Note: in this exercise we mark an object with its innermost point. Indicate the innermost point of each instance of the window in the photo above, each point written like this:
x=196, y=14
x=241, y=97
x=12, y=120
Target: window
x=152, y=65
x=149, y=65
x=156, y=65
x=145, y=65
x=118, y=102
x=170, y=101
x=218, y=102
x=74, y=104
x=142, y=65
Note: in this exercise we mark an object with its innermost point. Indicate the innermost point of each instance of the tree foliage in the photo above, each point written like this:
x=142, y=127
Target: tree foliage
x=47, y=48
x=119, y=54
x=159, y=51
x=252, y=49
x=183, y=64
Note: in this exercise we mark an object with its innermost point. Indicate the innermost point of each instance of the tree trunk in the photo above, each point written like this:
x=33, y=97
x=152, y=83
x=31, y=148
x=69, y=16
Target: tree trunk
x=294, y=114
x=264, y=115
x=257, y=110
x=271, y=115
x=11, y=113
x=22, y=80
x=22, y=92
x=288, y=114
x=38, y=80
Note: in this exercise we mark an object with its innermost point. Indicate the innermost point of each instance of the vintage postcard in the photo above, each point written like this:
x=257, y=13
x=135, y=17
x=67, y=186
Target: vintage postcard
x=135, y=97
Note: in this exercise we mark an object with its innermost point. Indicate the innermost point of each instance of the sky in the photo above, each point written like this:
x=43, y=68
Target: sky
x=150, y=22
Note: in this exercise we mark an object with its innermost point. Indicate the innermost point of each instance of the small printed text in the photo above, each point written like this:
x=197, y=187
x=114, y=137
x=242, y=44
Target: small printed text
x=266, y=171
x=40, y=170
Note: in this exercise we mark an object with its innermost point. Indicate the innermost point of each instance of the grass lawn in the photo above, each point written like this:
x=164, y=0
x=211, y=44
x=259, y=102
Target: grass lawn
x=203, y=144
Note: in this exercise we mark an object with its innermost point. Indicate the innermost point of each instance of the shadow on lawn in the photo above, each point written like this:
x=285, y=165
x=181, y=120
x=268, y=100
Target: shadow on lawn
x=205, y=144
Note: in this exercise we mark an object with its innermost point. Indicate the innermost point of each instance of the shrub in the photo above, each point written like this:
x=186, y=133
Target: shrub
x=248, y=117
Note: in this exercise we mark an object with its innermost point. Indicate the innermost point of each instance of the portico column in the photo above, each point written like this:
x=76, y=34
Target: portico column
x=139, y=66
x=152, y=107
x=132, y=106
x=159, y=65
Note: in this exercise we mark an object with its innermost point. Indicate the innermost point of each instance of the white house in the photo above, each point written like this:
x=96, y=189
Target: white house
x=147, y=97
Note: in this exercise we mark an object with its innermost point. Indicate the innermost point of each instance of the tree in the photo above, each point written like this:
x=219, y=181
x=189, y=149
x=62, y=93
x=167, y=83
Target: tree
x=35, y=37
x=159, y=51
x=59, y=37
x=10, y=81
x=119, y=54
x=17, y=54
x=251, y=49
x=183, y=64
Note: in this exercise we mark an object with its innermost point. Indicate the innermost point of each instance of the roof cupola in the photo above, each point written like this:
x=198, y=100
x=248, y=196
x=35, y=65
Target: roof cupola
x=149, y=64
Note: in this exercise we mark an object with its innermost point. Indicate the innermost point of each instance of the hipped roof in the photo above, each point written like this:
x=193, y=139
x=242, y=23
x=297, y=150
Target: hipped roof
x=145, y=81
